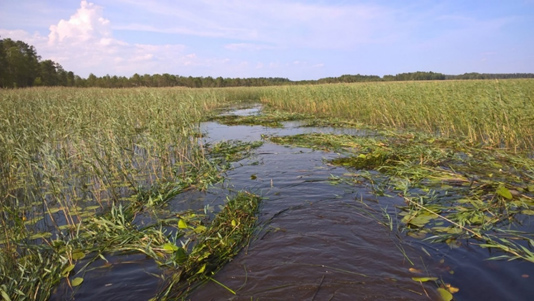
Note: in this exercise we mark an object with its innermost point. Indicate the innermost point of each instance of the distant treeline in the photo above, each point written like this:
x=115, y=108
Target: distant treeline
x=20, y=66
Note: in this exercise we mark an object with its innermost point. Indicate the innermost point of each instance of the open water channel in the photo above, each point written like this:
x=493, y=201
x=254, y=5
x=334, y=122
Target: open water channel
x=314, y=240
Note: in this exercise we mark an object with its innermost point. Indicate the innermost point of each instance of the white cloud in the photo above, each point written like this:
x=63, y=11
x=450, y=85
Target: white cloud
x=86, y=25
x=85, y=44
x=21, y=35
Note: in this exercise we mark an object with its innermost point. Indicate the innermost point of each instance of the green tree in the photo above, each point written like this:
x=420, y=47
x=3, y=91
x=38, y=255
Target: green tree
x=21, y=64
x=3, y=64
x=48, y=73
x=92, y=80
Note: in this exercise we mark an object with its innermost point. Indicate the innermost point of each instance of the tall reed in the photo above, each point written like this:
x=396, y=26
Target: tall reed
x=496, y=113
x=67, y=154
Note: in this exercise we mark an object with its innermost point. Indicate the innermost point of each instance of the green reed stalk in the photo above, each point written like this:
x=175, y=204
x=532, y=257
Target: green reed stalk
x=489, y=112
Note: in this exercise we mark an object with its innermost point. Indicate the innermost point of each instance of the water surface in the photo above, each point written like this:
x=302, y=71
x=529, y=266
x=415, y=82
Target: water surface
x=315, y=238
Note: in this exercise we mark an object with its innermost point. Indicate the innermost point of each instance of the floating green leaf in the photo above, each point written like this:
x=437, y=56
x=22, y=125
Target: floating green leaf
x=424, y=279
x=445, y=294
x=450, y=230
x=504, y=192
x=65, y=272
x=78, y=255
x=182, y=224
x=200, y=229
x=76, y=281
x=421, y=219
x=170, y=248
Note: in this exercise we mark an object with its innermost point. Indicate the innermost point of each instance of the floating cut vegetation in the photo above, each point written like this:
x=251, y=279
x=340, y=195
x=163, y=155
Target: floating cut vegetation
x=496, y=113
x=217, y=244
x=268, y=118
x=452, y=191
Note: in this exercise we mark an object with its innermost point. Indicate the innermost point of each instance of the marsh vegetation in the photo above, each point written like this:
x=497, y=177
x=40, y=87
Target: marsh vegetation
x=87, y=173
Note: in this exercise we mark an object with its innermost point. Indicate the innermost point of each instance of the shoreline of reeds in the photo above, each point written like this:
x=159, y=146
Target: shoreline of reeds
x=493, y=113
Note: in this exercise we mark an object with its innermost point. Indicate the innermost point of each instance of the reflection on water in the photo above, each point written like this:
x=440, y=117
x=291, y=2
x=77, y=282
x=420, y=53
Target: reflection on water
x=217, y=132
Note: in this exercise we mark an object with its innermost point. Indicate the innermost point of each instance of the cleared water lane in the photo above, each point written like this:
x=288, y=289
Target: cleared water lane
x=314, y=242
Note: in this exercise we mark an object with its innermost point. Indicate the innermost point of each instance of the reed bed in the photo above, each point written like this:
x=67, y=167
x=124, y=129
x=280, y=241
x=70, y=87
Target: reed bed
x=69, y=154
x=62, y=148
x=493, y=113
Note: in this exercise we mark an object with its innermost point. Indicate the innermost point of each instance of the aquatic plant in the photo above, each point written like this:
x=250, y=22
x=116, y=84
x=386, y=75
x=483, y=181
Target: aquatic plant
x=68, y=155
x=452, y=191
x=494, y=113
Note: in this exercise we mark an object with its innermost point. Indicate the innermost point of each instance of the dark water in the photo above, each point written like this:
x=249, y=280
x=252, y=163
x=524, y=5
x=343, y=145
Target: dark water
x=314, y=240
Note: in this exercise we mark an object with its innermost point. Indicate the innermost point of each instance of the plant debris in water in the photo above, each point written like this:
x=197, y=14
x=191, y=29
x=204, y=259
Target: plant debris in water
x=31, y=267
x=452, y=191
x=271, y=119
x=224, y=152
x=217, y=244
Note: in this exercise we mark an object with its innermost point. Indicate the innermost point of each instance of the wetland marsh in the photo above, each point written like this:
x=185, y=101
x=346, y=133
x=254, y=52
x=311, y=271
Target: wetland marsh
x=370, y=191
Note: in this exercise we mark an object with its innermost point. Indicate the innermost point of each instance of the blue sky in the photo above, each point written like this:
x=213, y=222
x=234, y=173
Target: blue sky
x=277, y=38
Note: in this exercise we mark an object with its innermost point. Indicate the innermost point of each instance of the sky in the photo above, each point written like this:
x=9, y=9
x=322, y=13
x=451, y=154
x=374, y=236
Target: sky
x=299, y=40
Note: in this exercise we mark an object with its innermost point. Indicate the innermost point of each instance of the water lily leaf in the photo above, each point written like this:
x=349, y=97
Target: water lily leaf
x=200, y=229
x=424, y=279
x=504, y=192
x=528, y=212
x=170, y=248
x=76, y=281
x=65, y=272
x=421, y=220
x=182, y=224
x=78, y=255
x=445, y=294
